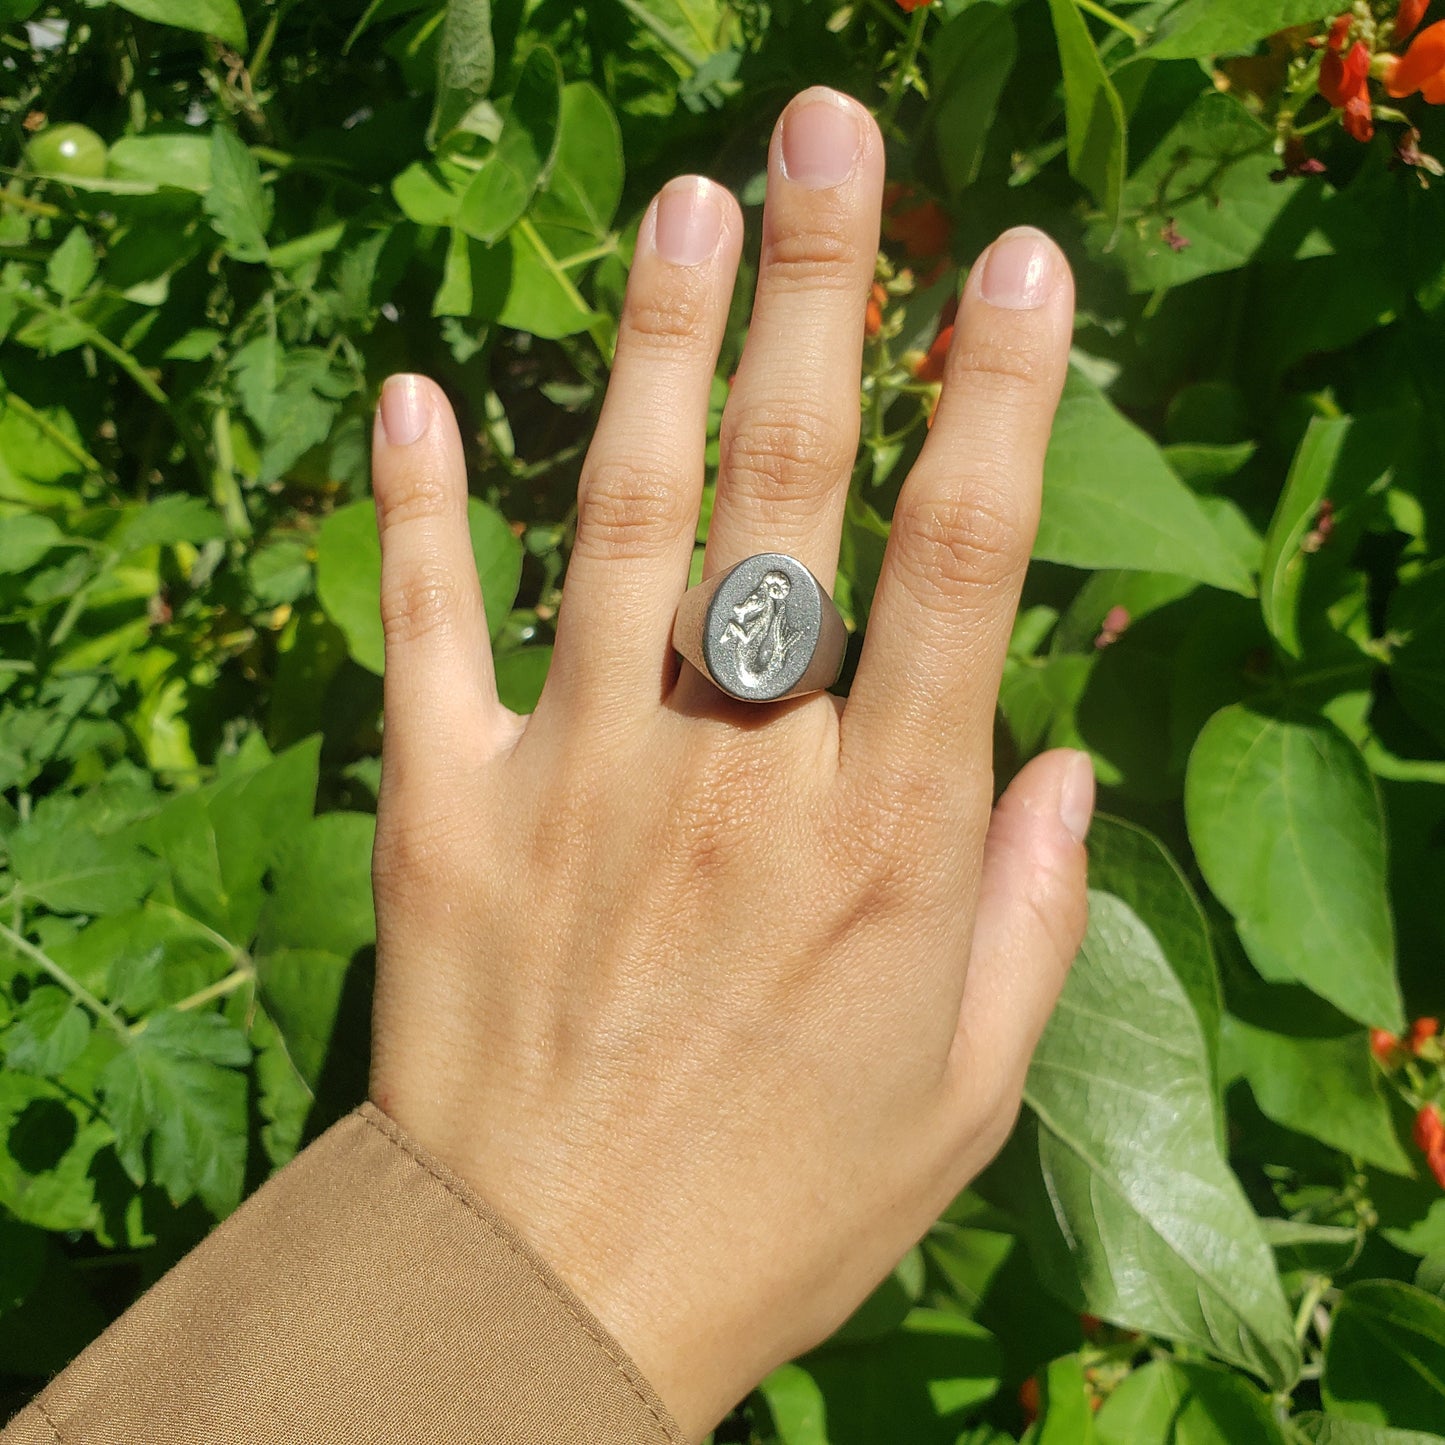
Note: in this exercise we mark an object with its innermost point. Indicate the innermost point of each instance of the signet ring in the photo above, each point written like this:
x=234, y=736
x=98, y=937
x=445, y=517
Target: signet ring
x=763, y=630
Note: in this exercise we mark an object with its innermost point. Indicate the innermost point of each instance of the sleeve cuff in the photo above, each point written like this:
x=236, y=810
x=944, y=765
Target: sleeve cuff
x=365, y=1294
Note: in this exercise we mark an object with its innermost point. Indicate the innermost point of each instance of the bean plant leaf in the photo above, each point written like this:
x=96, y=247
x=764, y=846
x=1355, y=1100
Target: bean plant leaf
x=1385, y=1356
x=519, y=163
x=1111, y=500
x=973, y=56
x=238, y=202
x=1148, y=1216
x=919, y=1384
x=178, y=1085
x=1094, y=113
x=1417, y=665
x=1286, y=824
x=1133, y=865
x=584, y=187
x=1327, y=1088
x=1317, y=1429
x=348, y=573
x=1201, y=28
x=1066, y=1412
x=1170, y=1402
x=1346, y=463
x=221, y=18
x=466, y=61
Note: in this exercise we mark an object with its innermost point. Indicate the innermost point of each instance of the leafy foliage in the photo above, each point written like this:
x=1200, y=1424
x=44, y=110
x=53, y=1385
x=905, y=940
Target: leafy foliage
x=1214, y=1222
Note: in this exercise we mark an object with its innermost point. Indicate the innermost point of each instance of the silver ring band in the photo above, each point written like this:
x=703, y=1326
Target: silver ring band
x=763, y=630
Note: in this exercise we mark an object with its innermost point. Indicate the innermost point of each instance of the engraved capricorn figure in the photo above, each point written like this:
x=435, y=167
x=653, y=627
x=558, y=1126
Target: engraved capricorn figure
x=759, y=629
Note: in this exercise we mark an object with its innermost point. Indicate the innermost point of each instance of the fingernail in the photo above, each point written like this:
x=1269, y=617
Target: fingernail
x=1018, y=270
x=404, y=411
x=689, y=221
x=822, y=138
x=1076, y=796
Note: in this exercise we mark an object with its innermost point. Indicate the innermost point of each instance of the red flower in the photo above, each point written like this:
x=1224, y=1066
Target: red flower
x=1340, y=32
x=1409, y=16
x=1385, y=1047
x=1029, y=1400
x=932, y=366
x=1342, y=77
x=873, y=315
x=1430, y=1140
x=1422, y=1030
x=1359, y=118
x=921, y=226
x=1422, y=67
x=911, y=5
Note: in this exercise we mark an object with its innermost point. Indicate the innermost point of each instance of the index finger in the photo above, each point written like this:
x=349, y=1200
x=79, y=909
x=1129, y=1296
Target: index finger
x=927, y=683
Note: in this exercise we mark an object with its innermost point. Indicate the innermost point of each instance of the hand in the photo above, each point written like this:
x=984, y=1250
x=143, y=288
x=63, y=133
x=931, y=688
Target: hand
x=722, y=1004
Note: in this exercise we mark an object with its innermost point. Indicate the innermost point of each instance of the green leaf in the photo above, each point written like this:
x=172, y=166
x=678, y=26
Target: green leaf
x=303, y=953
x=1097, y=131
x=1148, y=1217
x=972, y=57
x=1286, y=824
x=72, y=265
x=221, y=18
x=1206, y=187
x=49, y=1033
x=1066, y=1414
x=1348, y=462
x=1317, y=1429
x=172, y=518
x=918, y=1384
x=24, y=539
x=348, y=573
x=503, y=189
x=179, y=159
x=48, y=1146
x=1129, y=862
x=1169, y=1402
x=178, y=1084
x=581, y=194
x=238, y=203
x=1110, y=500
x=218, y=842
x=1327, y=1088
x=1417, y=664
x=1202, y=28
x=465, y=64
x=521, y=675
x=1385, y=1356
x=71, y=870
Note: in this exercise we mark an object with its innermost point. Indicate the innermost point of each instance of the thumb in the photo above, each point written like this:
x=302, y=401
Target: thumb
x=1032, y=911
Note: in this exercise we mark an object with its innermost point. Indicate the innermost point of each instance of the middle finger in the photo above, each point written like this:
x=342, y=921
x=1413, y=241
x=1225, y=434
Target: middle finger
x=790, y=431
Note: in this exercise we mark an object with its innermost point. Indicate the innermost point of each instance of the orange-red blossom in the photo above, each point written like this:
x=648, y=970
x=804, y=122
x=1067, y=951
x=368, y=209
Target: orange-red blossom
x=1421, y=67
x=1430, y=1140
x=911, y=5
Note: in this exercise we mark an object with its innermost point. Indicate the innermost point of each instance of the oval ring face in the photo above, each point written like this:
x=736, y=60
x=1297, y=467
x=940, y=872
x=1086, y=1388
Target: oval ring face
x=762, y=627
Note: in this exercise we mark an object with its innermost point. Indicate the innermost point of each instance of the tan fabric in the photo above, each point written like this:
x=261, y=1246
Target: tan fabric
x=363, y=1296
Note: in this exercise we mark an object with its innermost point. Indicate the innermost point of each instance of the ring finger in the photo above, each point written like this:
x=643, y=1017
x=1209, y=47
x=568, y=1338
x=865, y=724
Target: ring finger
x=790, y=432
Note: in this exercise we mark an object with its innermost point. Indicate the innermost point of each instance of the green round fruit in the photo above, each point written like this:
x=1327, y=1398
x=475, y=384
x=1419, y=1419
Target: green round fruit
x=68, y=150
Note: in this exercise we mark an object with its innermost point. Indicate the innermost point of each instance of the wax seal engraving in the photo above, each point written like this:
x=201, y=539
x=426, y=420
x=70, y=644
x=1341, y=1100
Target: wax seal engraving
x=758, y=628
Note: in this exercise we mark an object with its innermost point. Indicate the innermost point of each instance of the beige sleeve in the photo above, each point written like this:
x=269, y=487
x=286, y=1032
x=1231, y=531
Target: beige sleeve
x=363, y=1295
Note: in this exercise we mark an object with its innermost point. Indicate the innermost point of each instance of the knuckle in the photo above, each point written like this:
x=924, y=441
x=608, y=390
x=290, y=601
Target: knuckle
x=666, y=323
x=420, y=494
x=421, y=601
x=996, y=365
x=797, y=452
x=628, y=511
x=812, y=257
x=952, y=545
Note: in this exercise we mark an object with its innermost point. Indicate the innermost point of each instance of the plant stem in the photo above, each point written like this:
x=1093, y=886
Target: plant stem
x=891, y=15
x=114, y=350
x=1101, y=12
x=597, y=326
x=76, y=990
x=36, y=208
x=907, y=66
x=222, y=988
x=1319, y=1285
